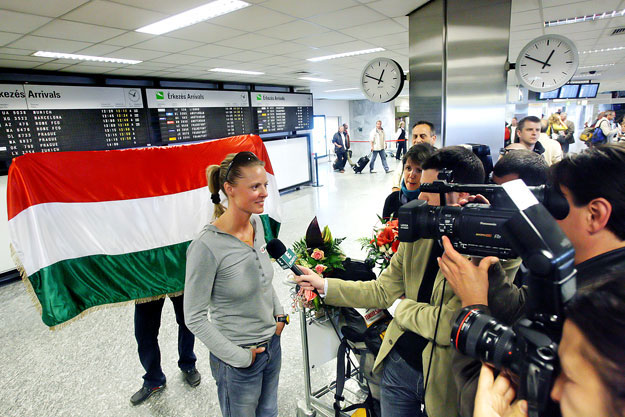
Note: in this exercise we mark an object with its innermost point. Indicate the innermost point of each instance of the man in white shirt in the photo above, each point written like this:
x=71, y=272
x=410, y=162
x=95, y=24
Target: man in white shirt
x=378, y=145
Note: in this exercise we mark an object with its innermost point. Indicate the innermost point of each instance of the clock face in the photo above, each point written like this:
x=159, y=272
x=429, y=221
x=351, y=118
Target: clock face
x=546, y=63
x=382, y=80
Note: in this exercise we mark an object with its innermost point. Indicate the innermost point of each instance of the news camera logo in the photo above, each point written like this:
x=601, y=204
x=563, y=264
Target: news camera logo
x=160, y=95
x=259, y=96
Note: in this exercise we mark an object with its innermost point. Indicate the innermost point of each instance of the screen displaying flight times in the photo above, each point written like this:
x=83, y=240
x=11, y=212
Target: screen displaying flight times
x=282, y=112
x=194, y=115
x=52, y=118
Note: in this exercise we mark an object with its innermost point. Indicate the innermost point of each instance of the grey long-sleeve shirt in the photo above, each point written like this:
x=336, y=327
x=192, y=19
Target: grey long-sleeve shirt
x=233, y=281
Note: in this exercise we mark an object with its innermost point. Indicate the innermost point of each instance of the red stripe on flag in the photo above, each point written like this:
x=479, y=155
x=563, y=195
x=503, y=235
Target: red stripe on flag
x=73, y=177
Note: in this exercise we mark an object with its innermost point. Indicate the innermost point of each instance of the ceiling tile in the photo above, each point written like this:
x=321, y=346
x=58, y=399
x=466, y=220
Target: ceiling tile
x=293, y=30
x=249, y=41
x=353, y=16
x=396, y=8
x=349, y=46
x=127, y=71
x=114, y=15
x=390, y=40
x=39, y=43
x=13, y=63
x=205, y=32
x=252, y=19
x=524, y=5
x=246, y=56
x=151, y=66
x=217, y=63
x=20, y=22
x=165, y=44
x=99, y=50
x=42, y=8
x=129, y=39
x=383, y=27
x=178, y=59
x=304, y=9
x=165, y=6
x=402, y=21
x=6, y=37
x=211, y=51
x=38, y=59
x=285, y=47
x=578, y=8
x=90, y=69
x=328, y=38
x=138, y=54
x=64, y=29
x=51, y=66
x=275, y=60
x=526, y=17
x=15, y=51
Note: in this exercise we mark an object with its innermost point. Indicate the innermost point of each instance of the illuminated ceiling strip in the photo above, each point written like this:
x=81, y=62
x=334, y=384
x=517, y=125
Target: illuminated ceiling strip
x=590, y=17
x=193, y=16
x=320, y=80
x=61, y=55
x=618, y=48
x=345, y=54
x=235, y=71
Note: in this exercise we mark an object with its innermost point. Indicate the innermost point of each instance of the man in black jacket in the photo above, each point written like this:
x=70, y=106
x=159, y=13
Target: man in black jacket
x=340, y=149
x=593, y=187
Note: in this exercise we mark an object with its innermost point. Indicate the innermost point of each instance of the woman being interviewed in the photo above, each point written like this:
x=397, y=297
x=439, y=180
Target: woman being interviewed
x=229, y=273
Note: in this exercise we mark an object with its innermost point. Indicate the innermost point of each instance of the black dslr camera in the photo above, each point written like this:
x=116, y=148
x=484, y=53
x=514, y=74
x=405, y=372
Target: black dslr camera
x=474, y=229
x=526, y=228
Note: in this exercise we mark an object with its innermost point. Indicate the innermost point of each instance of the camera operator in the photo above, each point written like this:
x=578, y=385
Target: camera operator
x=591, y=352
x=416, y=346
x=520, y=164
x=592, y=185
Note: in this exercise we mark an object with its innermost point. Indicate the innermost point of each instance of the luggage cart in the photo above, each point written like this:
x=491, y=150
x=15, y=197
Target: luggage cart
x=317, y=403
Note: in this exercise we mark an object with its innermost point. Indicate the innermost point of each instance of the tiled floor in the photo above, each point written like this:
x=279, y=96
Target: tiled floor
x=91, y=368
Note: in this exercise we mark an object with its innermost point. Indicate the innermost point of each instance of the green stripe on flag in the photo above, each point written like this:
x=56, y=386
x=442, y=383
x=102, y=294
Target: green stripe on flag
x=271, y=226
x=67, y=288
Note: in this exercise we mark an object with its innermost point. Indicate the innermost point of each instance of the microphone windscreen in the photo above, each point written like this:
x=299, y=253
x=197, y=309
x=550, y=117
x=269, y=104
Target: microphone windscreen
x=275, y=248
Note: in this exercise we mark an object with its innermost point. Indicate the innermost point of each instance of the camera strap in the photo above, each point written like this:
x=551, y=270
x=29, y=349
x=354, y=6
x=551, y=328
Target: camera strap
x=438, y=318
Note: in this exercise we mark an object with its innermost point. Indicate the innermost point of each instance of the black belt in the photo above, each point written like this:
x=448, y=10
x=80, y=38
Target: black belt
x=258, y=345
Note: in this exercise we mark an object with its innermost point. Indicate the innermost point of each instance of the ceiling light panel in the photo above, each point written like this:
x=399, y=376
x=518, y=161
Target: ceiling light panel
x=341, y=89
x=586, y=18
x=60, y=55
x=345, y=54
x=594, y=51
x=193, y=16
x=235, y=71
x=319, y=80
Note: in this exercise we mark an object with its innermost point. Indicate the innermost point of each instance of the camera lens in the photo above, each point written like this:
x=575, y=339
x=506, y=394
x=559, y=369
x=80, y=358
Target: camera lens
x=480, y=336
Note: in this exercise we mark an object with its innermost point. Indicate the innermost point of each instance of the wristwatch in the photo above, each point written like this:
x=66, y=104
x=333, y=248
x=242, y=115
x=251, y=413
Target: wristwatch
x=283, y=319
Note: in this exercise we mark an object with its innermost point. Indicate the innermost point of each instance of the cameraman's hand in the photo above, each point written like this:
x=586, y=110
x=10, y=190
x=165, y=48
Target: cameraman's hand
x=495, y=395
x=310, y=281
x=478, y=199
x=469, y=282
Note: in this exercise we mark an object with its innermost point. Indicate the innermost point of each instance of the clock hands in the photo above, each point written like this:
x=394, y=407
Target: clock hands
x=541, y=62
x=381, y=75
x=548, y=58
x=373, y=78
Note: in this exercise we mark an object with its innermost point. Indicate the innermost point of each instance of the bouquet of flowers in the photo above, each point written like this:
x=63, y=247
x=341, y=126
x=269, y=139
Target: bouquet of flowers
x=384, y=243
x=320, y=252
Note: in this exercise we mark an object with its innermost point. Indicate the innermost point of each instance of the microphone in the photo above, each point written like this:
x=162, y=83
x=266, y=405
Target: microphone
x=285, y=257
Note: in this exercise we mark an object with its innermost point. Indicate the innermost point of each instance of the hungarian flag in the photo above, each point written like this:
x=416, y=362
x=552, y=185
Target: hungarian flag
x=94, y=228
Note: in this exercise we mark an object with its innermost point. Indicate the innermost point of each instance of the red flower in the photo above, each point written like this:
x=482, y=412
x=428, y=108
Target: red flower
x=395, y=245
x=387, y=235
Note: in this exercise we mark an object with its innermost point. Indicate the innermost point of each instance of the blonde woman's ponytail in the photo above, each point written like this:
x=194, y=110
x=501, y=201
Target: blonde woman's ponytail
x=212, y=176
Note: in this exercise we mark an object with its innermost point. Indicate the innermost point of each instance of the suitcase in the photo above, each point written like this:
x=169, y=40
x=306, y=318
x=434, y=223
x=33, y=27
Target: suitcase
x=362, y=163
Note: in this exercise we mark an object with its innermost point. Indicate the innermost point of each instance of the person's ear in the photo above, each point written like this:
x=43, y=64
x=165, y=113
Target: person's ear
x=599, y=211
x=228, y=188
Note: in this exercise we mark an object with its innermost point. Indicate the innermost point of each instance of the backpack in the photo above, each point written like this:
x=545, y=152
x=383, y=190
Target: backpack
x=598, y=136
x=587, y=134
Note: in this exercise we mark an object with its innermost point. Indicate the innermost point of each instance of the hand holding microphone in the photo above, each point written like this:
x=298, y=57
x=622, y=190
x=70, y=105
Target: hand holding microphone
x=305, y=278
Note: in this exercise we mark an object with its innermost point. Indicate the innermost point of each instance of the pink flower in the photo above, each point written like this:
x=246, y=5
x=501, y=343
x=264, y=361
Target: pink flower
x=317, y=254
x=320, y=268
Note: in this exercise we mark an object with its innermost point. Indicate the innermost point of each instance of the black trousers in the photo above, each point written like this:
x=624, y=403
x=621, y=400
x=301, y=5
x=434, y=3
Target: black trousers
x=401, y=146
x=147, y=325
x=341, y=158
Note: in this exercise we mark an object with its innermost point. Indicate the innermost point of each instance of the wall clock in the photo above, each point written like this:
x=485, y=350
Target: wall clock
x=382, y=80
x=546, y=63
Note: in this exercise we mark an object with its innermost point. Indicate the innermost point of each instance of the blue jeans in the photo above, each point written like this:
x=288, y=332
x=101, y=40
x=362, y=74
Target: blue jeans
x=401, y=390
x=382, y=154
x=147, y=324
x=251, y=391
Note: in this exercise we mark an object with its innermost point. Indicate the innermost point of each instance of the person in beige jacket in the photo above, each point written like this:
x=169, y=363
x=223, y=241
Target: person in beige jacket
x=415, y=357
x=378, y=146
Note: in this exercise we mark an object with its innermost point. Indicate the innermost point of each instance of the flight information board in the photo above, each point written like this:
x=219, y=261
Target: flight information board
x=282, y=112
x=48, y=118
x=191, y=115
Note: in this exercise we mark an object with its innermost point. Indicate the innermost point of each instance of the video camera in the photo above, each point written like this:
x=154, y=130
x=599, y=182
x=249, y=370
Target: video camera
x=524, y=227
x=474, y=229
